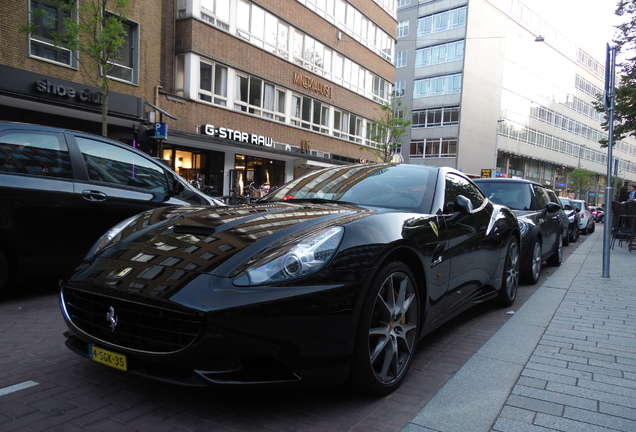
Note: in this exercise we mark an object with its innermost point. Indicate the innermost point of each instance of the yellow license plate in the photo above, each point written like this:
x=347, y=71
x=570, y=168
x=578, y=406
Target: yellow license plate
x=109, y=358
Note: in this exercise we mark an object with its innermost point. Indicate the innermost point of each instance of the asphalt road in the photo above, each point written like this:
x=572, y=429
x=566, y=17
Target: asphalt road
x=44, y=386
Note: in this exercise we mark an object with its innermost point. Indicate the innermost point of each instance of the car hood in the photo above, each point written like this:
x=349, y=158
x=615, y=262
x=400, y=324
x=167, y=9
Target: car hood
x=217, y=240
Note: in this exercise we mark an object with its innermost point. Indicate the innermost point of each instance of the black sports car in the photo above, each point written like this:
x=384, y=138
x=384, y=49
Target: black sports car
x=334, y=276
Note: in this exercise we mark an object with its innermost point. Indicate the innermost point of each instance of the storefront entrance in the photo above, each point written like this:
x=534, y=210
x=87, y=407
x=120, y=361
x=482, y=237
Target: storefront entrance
x=202, y=168
x=255, y=176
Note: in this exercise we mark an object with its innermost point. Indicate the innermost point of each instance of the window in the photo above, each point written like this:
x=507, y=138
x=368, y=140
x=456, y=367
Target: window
x=35, y=153
x=48, y=20
x=402, y=3
x=259, y=97
x=398, y=88
x=437, y=86
x=213, y=83
x=107, y=163
x=434, y=148
x=456, y=186
x=439, y=54
x=310, y=114
x=347, y=126
x=400, y=59
x=441, y=21
x=403, y=29
x=216, y=12
x=125, y=65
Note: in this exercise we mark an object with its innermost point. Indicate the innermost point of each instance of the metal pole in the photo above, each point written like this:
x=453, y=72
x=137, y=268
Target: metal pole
x=494, y=166
x=610, y=103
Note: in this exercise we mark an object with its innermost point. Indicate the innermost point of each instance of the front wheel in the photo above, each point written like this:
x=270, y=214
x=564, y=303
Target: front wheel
x=533, y=269
x=387, y=331
x=510, y=277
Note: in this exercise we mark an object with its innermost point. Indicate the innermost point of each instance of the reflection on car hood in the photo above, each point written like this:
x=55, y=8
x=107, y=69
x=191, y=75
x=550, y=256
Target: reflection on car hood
x=213, y=240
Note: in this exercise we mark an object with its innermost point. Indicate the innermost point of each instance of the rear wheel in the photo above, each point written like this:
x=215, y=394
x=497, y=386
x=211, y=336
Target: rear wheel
x=532, y=271
x=387, y=331
x=574, y=236
x=510, y=278
x=592, y=228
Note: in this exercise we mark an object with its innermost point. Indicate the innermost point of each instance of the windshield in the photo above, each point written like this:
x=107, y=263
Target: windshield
x=516, y=196
x=394, y=186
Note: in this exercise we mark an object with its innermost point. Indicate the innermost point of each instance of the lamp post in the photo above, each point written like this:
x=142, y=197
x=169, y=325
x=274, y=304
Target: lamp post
x=610, y=104
x=494, y=165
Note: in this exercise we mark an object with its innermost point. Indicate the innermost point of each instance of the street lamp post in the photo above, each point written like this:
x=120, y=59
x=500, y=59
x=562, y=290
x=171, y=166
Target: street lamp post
x=610, y=105
x=494, y=165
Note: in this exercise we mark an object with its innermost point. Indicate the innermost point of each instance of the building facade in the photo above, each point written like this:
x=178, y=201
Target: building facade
x=231, y=93
x=495, y=90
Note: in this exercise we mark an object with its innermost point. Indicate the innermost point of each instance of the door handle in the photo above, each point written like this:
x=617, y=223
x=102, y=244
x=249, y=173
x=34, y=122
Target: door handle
x=93, y=195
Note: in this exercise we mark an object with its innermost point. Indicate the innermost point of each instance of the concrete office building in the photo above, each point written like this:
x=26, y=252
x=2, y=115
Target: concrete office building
x=491, y=77
x=250, y=92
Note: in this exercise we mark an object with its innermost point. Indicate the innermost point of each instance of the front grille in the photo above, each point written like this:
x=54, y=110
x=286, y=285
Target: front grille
x=139, y=326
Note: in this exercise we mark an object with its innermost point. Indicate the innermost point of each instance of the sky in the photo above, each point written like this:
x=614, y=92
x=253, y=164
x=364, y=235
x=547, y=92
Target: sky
x=588, y=23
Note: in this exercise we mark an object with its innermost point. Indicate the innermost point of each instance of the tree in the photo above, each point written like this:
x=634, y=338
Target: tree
x=625, y=92
x=388, y=129
x=580, y=181
x=95, y=35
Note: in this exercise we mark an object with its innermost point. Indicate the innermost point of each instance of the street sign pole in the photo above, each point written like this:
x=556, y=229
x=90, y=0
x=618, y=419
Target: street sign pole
x=610, y=104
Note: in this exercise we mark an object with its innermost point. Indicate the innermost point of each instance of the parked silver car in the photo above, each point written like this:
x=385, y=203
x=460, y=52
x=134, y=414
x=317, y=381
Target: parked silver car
x=586, y=222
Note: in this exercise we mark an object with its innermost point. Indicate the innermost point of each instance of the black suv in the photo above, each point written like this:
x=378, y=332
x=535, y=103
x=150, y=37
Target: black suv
x=60, y=190
x=540, y=221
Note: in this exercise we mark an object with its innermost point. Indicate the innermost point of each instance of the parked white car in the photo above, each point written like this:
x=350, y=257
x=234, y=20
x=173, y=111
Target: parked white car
x=586, y=222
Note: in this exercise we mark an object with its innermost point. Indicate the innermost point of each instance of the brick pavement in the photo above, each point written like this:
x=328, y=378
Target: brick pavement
x=575, y=370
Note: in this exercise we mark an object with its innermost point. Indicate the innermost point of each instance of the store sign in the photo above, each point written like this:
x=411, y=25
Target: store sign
x=235, y=135
x=312, y=84
x=65, y=91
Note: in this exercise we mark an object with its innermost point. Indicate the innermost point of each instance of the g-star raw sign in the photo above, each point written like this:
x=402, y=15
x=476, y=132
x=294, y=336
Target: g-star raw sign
x=235, y=135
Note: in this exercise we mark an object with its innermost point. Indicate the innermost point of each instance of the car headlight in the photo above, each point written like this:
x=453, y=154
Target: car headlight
x=524, y=225
x=308, y=255
x=112, y=236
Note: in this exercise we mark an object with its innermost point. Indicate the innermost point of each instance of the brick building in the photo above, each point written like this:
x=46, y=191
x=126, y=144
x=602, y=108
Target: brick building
x=250, y=92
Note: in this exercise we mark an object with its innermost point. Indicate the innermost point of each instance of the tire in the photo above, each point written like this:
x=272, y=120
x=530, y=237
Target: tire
x=510, y=276
x=592, y=228
x=575, y=235
x=533, y=269
x=557, y=257
x=388, y=330
x=566, y=238
x=584, y=231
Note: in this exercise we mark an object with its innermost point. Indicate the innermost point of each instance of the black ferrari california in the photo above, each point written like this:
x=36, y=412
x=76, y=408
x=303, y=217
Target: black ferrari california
x=331, y=278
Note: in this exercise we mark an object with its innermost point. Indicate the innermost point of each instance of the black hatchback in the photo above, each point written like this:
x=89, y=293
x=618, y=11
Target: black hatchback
x=60, y=190
x=539, y=221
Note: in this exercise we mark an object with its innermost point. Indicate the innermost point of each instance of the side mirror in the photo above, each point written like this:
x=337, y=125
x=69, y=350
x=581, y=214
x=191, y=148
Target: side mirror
x=177, y=187
x=551, y=208
x=463, y=204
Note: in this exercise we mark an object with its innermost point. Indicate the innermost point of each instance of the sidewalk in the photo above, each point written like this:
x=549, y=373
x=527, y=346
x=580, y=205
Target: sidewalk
x=566, y=361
